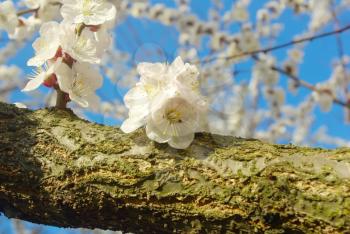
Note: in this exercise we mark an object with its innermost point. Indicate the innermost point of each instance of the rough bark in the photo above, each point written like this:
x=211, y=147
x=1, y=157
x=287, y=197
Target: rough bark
x=60, y=170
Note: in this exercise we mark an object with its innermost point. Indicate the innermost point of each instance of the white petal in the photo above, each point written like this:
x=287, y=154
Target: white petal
x=150, y=69
x=82, y=48
x=189, y=117
x=181, y=142
x=139, y=112
x=64, y=77
x=81, y=101
x=45, y=48
x=136, y=96
x=130, y=125
x=34, y=83
x=36, y=61
x=93, y=13
x=91, y=75
x=68, y=12
x=177, y=65
x=105, y=12
x=49, y=28
x=8, y=19
x=188, y=76
x=154, y=134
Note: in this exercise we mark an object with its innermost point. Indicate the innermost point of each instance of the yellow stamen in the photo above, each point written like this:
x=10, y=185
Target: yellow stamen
x=173, y=116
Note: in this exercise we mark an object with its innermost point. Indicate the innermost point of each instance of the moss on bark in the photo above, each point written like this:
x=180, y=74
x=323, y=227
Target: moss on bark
x=60, y=170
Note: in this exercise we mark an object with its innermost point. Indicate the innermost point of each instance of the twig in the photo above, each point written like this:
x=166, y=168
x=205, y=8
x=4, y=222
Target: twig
x=61, y=99
x=27, y=11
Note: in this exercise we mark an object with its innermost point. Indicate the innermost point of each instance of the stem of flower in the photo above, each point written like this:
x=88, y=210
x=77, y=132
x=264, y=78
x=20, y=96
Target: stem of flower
x=79, y=29
x=61, y=100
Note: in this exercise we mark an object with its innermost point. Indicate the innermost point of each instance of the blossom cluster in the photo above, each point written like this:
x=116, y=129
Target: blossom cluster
x=168, y=102
x=66, y=53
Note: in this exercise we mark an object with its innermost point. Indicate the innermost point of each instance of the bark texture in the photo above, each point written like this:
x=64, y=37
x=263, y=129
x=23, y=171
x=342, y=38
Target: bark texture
x=60, y=170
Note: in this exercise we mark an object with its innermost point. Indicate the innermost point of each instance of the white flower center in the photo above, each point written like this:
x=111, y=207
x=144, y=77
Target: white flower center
x=150, y=89
x=173, y=116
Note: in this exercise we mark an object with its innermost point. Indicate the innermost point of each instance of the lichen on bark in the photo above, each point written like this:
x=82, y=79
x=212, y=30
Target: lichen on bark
x=94, y=176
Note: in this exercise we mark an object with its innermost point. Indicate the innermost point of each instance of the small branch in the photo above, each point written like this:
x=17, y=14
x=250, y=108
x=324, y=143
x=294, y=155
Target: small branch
x=61, y=99
x=27, y=11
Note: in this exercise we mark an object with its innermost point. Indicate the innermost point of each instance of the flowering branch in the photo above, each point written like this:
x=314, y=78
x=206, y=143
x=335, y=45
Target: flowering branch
x=269, y=49
x=302, y=83
x=66, y=53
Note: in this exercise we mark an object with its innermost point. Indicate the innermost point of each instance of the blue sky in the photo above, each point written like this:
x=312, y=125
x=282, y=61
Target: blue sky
x=135, y=37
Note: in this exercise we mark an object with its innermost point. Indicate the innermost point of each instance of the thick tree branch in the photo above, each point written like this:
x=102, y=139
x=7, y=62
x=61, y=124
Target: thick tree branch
x=57, y=169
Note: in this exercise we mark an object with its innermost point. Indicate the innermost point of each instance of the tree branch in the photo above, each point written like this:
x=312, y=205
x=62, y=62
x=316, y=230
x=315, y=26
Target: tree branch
x=57, y=169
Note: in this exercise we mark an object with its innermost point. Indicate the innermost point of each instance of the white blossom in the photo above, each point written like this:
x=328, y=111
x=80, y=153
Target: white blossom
x=175, y=117
x=46, y=9
x=320, y=13
x=167, y=101
x=274, y=8
x=42, y=74
x=80, y=82
x=248, y=39
x=324, y=96
x=239, y=11
x=296, y=55
x=263, y=70
x=54, y=36
x=138, y=100
x=8, y=16
x=138, y=9
x=25, y=28
x=46, y=45
x=82, y=47
x=89, y=12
